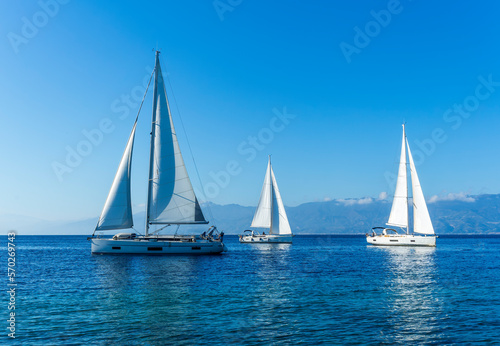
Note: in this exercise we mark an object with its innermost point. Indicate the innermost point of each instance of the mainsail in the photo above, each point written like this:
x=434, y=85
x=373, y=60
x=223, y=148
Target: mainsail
x=279, y=221
x=421, y=219
x=171, y=198
x=399, y=211
x=270, y=211
x=117, y=211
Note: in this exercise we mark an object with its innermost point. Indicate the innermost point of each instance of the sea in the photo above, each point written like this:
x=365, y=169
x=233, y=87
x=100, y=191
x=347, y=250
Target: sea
x=322, y=289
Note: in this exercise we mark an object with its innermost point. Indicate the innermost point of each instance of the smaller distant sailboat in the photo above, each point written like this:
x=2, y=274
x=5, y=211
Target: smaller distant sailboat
x=270, y=214
x=399, y=216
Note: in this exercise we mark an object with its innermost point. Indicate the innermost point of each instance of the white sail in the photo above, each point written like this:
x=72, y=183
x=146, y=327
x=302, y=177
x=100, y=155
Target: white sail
x=279, y=221
x=399, y=211
x=117, y=211
x=171, y=198
x=262, y=217
x=270, y=212
x=421, y=219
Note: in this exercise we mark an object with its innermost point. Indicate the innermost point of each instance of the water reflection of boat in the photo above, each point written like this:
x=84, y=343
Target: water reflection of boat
x=410, y=283
x=272, y=290
x=271, y=247
x=146, y=277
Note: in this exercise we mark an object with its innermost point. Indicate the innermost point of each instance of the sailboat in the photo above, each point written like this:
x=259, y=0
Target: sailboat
x=423, y=231
x=270, y=214
x=171, y=199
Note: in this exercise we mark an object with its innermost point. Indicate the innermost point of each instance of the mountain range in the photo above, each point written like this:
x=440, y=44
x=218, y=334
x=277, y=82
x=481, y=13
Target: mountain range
x=451, y=214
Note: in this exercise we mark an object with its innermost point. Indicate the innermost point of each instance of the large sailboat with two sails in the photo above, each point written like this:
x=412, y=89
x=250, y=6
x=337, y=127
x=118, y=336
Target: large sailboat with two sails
x=171, y=199
x=423, y=231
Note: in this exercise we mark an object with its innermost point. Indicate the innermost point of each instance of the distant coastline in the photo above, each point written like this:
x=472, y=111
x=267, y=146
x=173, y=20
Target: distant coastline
x=470, y=215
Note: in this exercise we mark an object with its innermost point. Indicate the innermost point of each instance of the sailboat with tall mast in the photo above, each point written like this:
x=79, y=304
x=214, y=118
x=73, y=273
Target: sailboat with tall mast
x=423, y=231
x=270, y=214
x=171, y=199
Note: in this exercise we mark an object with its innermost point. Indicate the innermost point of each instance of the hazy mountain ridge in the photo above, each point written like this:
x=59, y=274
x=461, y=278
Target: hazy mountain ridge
x=476, y=215
x=473, y=215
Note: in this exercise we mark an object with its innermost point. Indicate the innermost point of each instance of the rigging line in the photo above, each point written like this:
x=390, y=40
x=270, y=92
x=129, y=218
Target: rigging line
x=190, y=151
x=137, y=231
x=140, y=107
x=144, y=97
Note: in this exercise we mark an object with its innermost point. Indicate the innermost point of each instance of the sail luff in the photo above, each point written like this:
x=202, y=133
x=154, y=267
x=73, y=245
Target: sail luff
x=421, y=219
x=273, y=220
x=399, y=210
x=117, y=211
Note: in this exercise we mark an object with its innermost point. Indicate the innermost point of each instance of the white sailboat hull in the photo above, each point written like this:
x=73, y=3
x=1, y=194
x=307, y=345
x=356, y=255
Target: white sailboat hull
x=156, y=247
x=266, y=238
x=401, y=240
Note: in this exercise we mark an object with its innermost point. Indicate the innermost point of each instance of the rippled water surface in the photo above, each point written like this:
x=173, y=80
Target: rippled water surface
x=321, y=289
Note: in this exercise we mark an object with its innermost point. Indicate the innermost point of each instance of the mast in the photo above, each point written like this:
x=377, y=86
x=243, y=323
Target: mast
x=153, y=128
x=271, y=197
x=407, y=195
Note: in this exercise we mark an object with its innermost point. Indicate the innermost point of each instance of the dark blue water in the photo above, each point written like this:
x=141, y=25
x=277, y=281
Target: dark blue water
x=321, y=289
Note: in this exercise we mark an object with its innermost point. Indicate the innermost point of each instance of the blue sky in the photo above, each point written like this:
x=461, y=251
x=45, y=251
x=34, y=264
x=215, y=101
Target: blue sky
x=69, y=67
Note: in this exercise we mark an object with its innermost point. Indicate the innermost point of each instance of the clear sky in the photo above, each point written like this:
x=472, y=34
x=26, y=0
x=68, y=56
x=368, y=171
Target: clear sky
x=323, y=86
